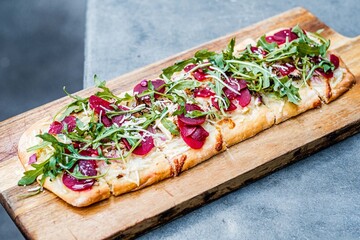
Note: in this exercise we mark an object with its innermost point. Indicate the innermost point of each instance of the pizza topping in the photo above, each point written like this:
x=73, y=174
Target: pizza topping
x=215, y=103
x=157, y=85
x=285, y=69
x=244, y=98
x=194, y=136
x=32, y=159
x=281, y=36
x=203, y=92
x=76, y=179
x=69, y=121
x=192, y=121
x=99, y=105
x=147, y=143
x=334, y=60
x=198, y=74
x=257, y=50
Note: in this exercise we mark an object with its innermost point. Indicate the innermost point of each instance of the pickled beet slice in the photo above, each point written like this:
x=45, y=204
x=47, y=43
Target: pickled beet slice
x=143, y=86
x=245, y=97
x=328, y=74
x=257, y=50
x=70, y=121
x=106, y=121
x=56, y=127
x=215, y=103
x=334, y=60
x=203, y=92
x=286, y=69
x=280, y=37
x=98, y=104
x=126, y=143
x=196, y=139
x=198, y=73
x=187, y=130
x=145, y=146
x=192, y=121
x=87, y=168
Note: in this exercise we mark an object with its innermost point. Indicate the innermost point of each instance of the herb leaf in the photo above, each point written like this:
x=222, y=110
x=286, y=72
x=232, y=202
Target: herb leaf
x=169, y=125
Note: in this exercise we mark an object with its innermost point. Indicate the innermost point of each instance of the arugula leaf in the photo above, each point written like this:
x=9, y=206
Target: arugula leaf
x=177, y=67
x=31, y=175
x=204, y=54
x=184, y=84
x=265, y=45
x=169, y=125
x=106, y=93
x=228, y=52
x=196, y=113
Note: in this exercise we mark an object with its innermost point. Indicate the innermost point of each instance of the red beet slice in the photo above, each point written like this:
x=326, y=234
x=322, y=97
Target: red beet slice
x=32, y=159
x=286, y=69
x=70, y=121
x=192, y=121
x=280, y=37
x=189, y=67
x=87, y=168
x=334, y=60
x=55, y=127
x=143, y=86
x=145, y=146
x=215, y=103
x=245, y=97
x=195, y=140
x=203, y=92
x=187, y=130
x=257, y=50
x=198, y=73
x=328, y=74
x=98, y=104
x=106, y=121
x=126, y=143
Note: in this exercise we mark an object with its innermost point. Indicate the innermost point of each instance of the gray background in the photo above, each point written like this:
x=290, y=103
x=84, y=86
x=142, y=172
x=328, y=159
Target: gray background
x=41, y=49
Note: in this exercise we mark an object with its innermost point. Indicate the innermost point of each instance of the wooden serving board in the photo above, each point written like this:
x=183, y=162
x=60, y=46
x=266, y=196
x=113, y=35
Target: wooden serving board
x=47, y=217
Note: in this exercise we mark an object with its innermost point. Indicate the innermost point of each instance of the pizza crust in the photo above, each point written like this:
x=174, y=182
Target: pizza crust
x=182, y=157
x=244, y=123
x=283, y=109
x=122, y=180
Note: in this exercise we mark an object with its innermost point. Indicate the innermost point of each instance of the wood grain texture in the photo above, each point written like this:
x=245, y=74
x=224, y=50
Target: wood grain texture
x=47, y=217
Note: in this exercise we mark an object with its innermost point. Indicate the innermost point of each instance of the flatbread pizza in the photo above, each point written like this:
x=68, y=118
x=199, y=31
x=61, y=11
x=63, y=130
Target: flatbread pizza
x=110, y=144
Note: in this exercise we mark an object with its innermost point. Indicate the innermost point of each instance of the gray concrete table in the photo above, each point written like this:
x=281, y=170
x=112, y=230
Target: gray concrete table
x=316, y=198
